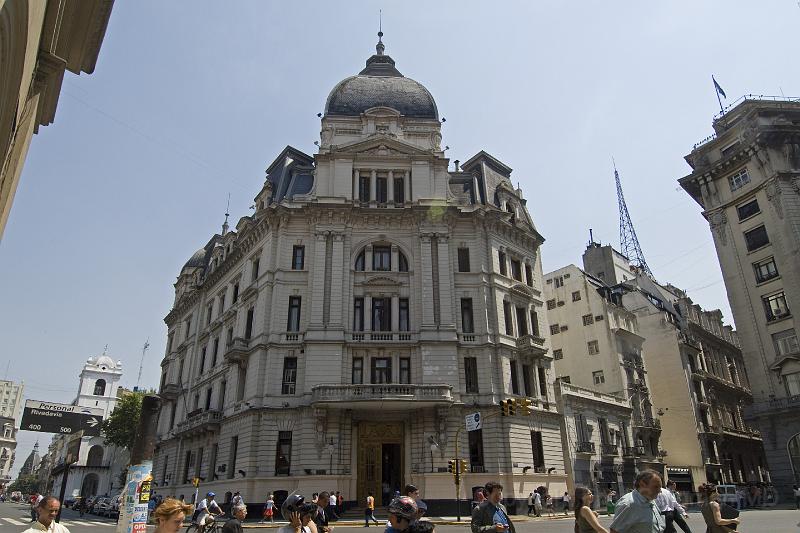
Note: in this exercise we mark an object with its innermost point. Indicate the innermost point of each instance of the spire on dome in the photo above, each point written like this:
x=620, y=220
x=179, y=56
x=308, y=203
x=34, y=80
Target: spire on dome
x=380, y=47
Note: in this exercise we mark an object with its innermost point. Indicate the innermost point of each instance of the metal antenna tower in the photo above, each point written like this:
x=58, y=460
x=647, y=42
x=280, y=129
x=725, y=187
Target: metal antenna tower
x=628, y=241
x=141, y=362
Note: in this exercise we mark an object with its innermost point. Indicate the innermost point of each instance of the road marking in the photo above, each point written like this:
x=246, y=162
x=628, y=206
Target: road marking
x=15, y=522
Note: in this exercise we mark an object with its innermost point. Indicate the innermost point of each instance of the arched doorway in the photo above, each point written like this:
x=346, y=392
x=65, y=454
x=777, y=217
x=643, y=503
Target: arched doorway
x=95, y=456
x=794, y=456
x=89, y=486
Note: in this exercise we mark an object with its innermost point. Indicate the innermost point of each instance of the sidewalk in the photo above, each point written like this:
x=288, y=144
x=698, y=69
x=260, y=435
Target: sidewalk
x=438, y=520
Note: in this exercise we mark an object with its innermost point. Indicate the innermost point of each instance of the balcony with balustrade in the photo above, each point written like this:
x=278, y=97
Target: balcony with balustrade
x=531, y=345
x=237, y=351
x=198, y=422
x=609, y=449
x=171, y=391
x=391, y=395
x=585, y=447
x=382, y=337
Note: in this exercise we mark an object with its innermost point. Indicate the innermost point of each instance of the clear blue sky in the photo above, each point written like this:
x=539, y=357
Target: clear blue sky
x=191, y=101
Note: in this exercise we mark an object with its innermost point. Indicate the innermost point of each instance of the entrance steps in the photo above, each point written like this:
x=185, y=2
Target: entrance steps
x=357, y=513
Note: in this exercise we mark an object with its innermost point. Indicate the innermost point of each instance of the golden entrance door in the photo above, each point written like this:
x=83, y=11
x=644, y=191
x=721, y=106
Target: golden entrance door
x=380, y=461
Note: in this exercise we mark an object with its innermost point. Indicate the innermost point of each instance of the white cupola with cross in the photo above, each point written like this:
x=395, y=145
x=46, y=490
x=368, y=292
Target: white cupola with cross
x=99, y=382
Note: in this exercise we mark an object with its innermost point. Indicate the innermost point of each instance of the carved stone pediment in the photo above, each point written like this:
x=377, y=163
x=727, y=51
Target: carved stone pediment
x=523, y=290
x=382, y=145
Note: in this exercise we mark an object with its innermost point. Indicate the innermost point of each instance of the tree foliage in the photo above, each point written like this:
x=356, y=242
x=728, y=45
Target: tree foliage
x=25, y=484
x=120, y=428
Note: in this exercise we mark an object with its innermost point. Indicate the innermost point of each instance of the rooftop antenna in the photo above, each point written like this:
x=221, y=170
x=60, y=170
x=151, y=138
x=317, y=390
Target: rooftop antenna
x=227, y=209
x=591, y=237
x=141, y=363
x=105, y=349
x=379, y=48
x=628, y=241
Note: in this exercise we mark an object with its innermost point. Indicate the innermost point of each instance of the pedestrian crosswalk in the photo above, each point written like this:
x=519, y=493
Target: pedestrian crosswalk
x=67, y=523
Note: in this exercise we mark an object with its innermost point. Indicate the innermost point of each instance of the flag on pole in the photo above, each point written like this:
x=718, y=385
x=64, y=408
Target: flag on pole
x=718, y=88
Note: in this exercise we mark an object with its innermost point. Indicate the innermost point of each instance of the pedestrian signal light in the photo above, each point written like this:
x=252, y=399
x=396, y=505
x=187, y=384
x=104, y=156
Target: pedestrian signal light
x=451, y=466
x=463, y=464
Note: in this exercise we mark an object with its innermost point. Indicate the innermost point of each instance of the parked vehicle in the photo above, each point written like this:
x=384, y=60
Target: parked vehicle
x=727, y=494
x=102, y=506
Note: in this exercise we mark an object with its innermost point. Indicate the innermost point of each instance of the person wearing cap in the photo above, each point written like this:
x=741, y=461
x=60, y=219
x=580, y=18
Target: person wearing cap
x=207, y=510
x=402, y=511
x=299, y=513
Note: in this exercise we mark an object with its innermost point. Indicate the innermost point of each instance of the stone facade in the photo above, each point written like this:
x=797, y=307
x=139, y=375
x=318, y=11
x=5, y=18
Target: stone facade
x=338, y=337
x=41, y=40
x=747, y=180
x=10, y=412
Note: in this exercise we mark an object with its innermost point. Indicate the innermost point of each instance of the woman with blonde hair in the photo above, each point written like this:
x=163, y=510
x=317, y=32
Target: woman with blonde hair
x=585, y=518
x=712, y=512
x=169, y=516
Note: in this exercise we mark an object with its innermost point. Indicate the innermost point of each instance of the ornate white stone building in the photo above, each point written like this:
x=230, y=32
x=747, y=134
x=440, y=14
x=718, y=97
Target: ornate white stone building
x=337, y=338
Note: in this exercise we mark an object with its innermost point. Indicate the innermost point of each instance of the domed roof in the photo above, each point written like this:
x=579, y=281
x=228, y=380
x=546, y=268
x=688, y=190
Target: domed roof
x=380, y=84
x=105, y=361
x=197, y=260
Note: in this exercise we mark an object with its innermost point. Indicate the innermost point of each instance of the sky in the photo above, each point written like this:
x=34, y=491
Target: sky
x=191, y=101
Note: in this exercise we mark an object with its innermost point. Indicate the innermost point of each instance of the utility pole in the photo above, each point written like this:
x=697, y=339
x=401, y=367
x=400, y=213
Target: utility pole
x=136, y=495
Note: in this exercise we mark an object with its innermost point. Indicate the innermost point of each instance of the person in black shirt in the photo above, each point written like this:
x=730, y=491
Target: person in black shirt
x=235, y=524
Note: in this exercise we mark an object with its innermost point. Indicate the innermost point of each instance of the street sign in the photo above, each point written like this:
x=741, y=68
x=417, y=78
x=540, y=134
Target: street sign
x=49, y=417
x=473, y=422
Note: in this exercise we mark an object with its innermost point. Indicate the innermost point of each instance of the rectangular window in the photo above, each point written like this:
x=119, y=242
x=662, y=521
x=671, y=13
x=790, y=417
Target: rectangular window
x=785, y=342
x=514, y=378
x=467, y=324
x=221, y=303
x=593, y=347
x=747, y=210
x=522, y=321
x=475, y=439
x=501, y=257
x=739, y=179
x=381, y=258
x=538, y=451
x=229, y=338
x=283, y=453
x=254, y=273
x=534, y=323
x=208, y=399
x=404, y=320
x=527, y=380
x=471, y=374
x=558, y=354
x=559, y=281
x=188, y=327
x=463, y=259
x=170, y=341
x=241, y=383
x=293, y=320
x=235, y=292
x=381, y=190
x=588, y=320
x=792, y=383
x=765, y=270
x=756, y=238
x=232, y=458
x=223, y=388
x=516, y=269
x=542, y=383
x=298, y=257
x=775, y=306
x=363, y=188
x=214, y=353
x=202, y=361
x=381, y=314
x=358, y=314
x=598, y=377
x=358, y=371
x=164, y=472
x=209, y=313
x=212, y=461
x=248, y=325
x=289, y=375
x=187, y=464
x=507, y=318
x=551, y=304
x=405, y=370
x=576, y=296
x=381, y=370
x=399, y=190
x=528, y=275
x=554, y=329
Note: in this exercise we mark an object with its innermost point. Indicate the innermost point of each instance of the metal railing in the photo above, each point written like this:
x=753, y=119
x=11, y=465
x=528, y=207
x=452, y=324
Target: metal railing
x=585, y=447
x=389, y=391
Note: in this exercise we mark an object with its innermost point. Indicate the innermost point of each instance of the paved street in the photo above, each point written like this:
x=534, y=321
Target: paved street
x=14, y=518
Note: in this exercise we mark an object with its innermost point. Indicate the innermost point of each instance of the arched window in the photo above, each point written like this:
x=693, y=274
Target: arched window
x=95, y=456
x=89, y=485
x=100, y=387
x=403, y=262
x=360, y=261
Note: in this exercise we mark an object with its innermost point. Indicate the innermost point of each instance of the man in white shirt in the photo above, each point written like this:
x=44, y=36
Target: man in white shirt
x=47, y=511
x=672, y=511
x=206, y=510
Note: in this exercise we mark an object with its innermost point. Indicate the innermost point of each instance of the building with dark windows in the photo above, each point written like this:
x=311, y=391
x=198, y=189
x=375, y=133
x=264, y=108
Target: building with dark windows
x=338, y=336
x=746, y=177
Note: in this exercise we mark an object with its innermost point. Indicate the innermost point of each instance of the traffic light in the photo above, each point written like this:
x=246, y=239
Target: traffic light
x=196, y=482
x=505, y=406
x=512, y=407
x=524, y=405
x=463, y=465
x=451, y=466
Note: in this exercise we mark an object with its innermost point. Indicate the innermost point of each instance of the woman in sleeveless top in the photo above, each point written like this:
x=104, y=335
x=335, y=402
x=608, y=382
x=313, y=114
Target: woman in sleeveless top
x=585, y=519
x=711, y=513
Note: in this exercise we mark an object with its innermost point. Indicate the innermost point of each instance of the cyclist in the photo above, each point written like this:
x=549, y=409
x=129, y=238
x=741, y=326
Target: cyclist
x=206, y=511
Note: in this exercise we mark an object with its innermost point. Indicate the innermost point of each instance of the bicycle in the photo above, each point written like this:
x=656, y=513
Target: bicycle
x=212, y=527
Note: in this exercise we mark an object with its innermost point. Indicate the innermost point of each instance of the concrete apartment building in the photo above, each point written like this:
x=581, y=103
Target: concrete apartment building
x=338, y=337
x=697, y=444
x=41, y=40
x=746, y=177
x=597, y=346
x=597, y=439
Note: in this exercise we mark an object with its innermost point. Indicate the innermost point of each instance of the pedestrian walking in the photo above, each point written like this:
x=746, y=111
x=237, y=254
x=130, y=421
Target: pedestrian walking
x=636, y=512
x=712, y=511
x=670, y=509
x=334, y=515
x=679, y=514
x=402, y=511
x=551, y=509
x=369, y=510
x=339, y=503
x=610, y=502
x=537, y=504
x=321, y=518
x=586, y=520
x=530, y=504
x=491, y=515
x=269, y=509
x=46, y=512
x=565, y=503
x=169, y=516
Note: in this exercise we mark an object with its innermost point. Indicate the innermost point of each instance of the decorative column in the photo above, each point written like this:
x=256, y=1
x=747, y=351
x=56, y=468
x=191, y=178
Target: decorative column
x=318, y=286
x=427, y=283
x=395, y=259
x=367, y=312
x=356, y=179
x=407, y=186
x=372, y=185
x=445, y=283
x=390, y=187
x=368, y=259
x=337, y=282
x=395, y=312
